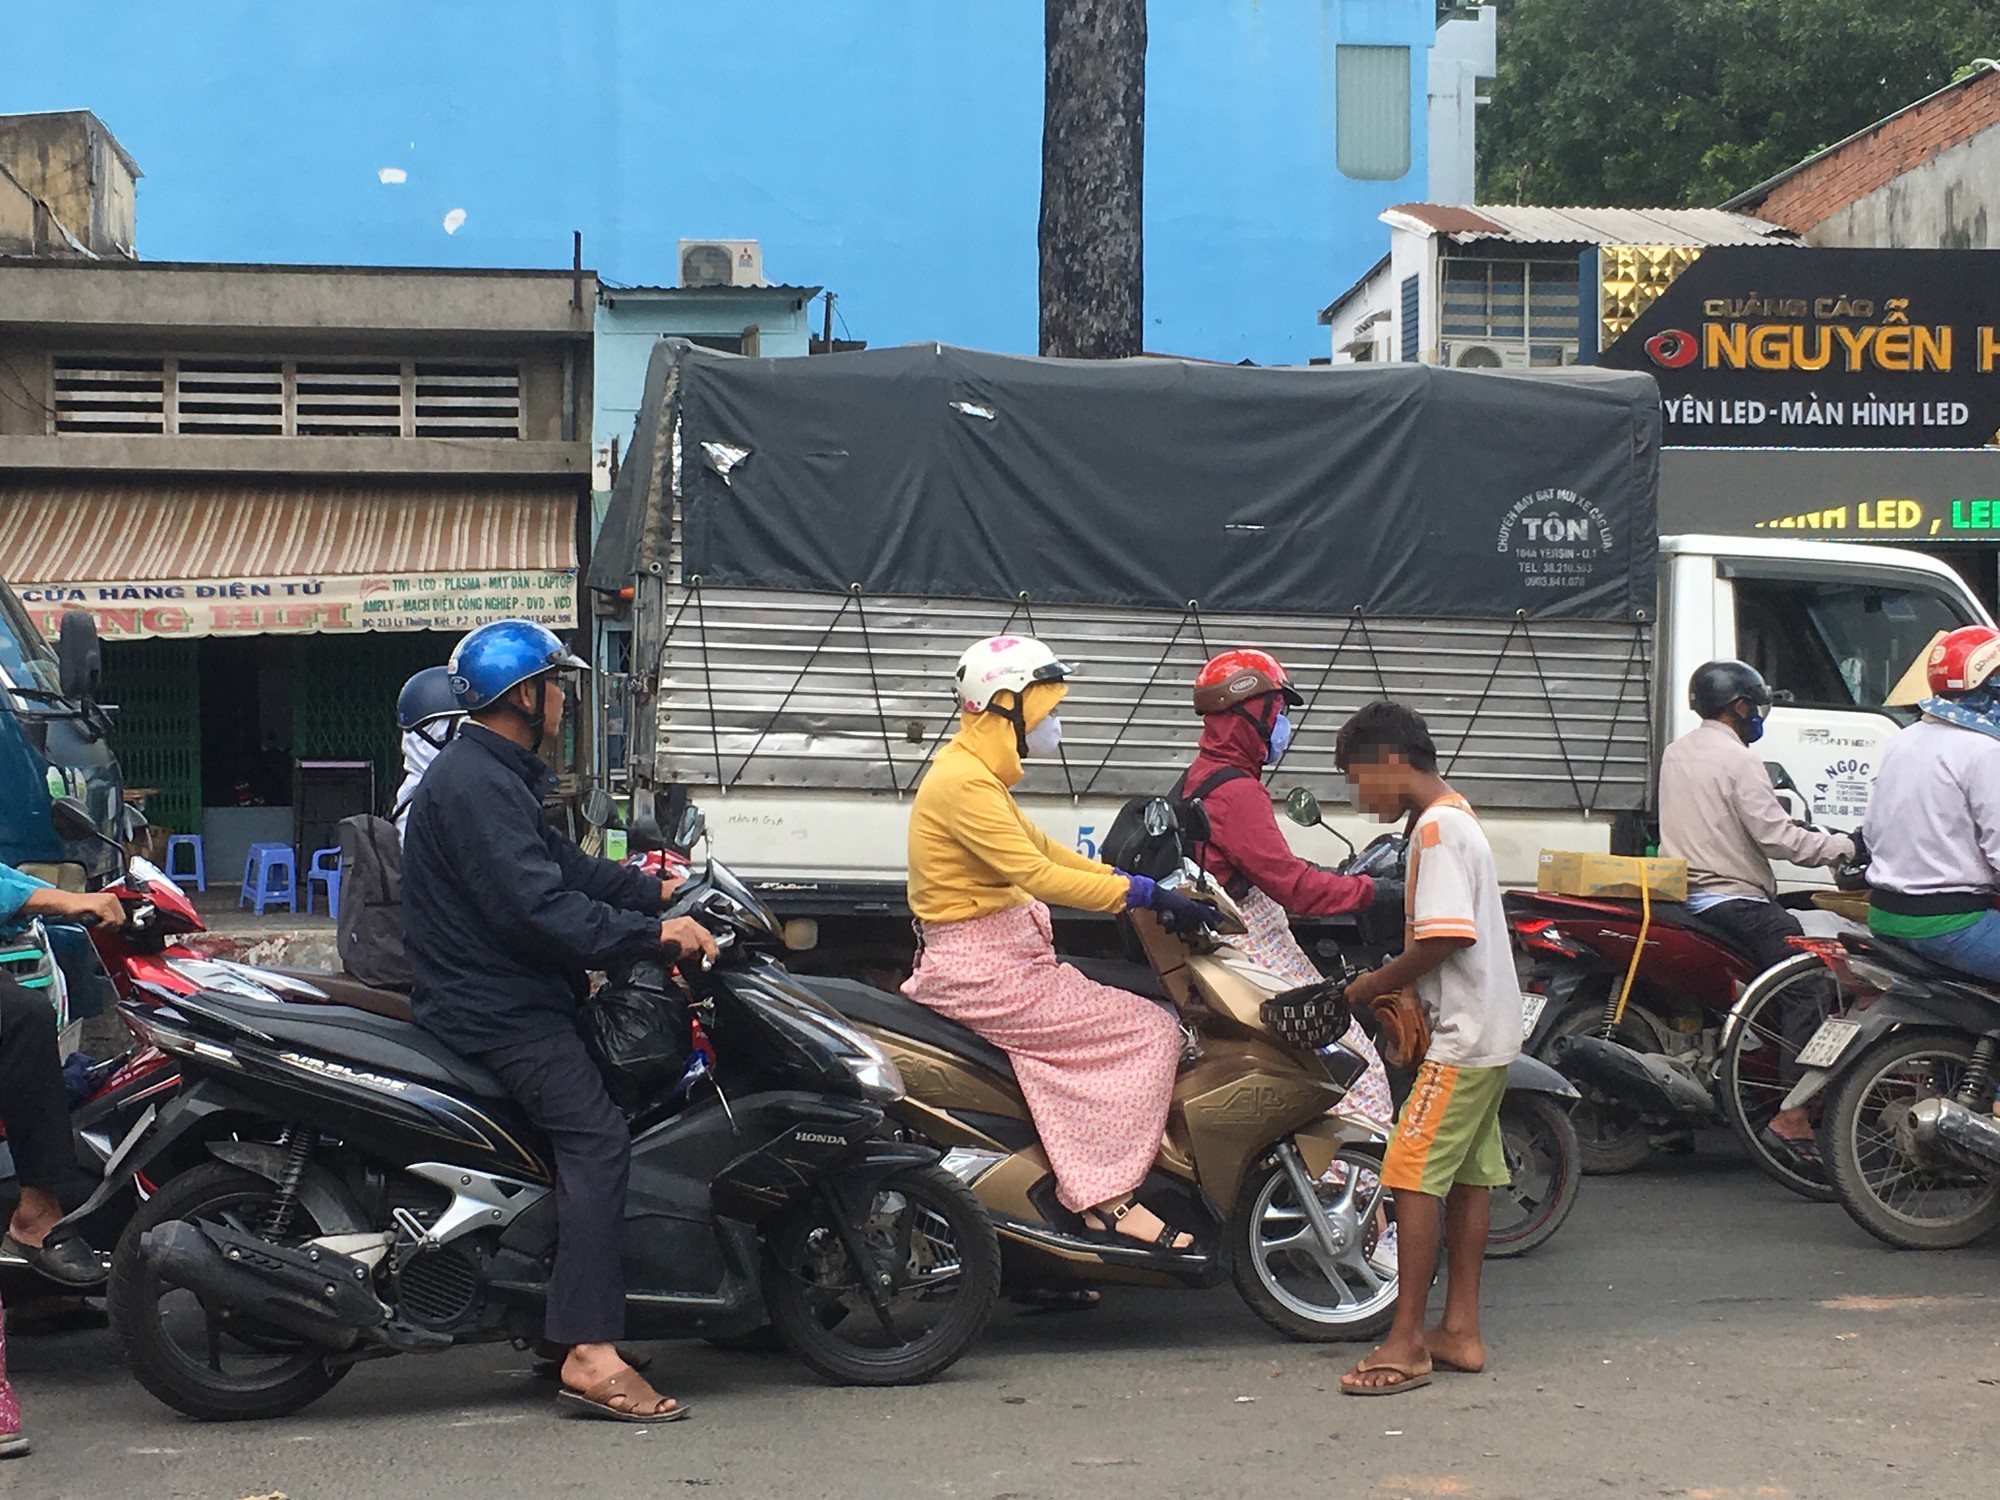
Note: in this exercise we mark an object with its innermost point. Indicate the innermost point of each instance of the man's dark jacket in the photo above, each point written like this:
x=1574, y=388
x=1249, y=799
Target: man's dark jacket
x=502, y=915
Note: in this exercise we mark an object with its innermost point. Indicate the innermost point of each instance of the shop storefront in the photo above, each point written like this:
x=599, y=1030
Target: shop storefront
x=1820, y=393
x=249, y=627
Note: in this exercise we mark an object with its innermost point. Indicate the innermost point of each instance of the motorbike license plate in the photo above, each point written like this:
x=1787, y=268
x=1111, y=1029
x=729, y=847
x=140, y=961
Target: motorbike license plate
x=1824, y=1050
x=1531, y=1011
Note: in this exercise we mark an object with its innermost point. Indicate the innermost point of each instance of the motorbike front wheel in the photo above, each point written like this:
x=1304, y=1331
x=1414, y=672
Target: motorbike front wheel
x=1914, y=1202
x=1546, y=1164
x=197, y=1359
x=1323, y=1281
x=925, y=1246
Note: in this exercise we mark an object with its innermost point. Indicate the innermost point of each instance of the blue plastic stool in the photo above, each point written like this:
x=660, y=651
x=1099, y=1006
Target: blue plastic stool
x=192, y=843
x=324, y=870
x=265, y=862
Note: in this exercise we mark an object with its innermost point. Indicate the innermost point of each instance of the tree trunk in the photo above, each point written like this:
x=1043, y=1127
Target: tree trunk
x=1093, y=176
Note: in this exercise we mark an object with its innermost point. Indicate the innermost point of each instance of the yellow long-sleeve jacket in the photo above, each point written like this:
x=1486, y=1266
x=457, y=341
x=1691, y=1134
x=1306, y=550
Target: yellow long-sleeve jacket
x=973, y=852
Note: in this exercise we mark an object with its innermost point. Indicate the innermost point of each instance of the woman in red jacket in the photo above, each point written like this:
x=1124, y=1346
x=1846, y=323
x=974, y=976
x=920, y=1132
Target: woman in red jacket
x=1242, y=697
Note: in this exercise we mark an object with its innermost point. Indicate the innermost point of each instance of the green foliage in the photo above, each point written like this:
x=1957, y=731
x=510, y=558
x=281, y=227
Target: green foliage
x=1688, y=102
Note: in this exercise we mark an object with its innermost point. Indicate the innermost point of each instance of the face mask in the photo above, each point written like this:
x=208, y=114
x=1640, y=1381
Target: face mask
x=1751, y=729
x=1281, y=739
x=1044, y=738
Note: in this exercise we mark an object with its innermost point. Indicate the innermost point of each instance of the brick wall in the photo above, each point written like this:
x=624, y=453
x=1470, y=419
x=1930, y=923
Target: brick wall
x=1898, y=145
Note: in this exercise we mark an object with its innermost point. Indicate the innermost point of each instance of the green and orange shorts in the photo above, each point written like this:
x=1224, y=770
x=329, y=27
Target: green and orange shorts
x=1449, y=1132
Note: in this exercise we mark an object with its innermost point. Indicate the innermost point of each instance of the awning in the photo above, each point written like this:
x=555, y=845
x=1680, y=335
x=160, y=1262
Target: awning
x=214, y=557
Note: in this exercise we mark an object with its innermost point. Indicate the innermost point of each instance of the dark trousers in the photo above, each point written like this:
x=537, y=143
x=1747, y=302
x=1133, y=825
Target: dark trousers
x=1759, y=929
x=32, y=1098
x=555, y=1081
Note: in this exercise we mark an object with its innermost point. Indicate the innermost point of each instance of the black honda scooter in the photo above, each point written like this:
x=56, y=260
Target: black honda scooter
x=338, y=1186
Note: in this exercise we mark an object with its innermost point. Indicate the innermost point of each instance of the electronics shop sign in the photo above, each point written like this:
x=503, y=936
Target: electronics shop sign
x=1768, y=347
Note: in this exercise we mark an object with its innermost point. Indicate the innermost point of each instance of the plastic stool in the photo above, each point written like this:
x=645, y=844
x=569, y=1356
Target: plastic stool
x=324, y=870
x=265, y=862
x=192, y=843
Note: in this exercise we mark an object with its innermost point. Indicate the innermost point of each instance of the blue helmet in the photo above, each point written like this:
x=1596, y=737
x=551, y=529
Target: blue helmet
x=500, y=656
x=426, y=698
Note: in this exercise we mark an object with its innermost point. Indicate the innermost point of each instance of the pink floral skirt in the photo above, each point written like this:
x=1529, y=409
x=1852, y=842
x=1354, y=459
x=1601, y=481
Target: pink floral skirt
x=10, y=1410
x=1271, y=943
x=1096, y=1065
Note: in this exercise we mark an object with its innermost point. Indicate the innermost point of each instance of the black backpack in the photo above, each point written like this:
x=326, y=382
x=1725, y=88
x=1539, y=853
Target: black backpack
x=370, y=935
x=1129, y=847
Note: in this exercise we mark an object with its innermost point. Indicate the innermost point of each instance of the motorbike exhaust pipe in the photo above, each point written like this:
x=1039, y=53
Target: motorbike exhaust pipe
x=1642, y=1080
x=1946, y=1120
x=311, y=1293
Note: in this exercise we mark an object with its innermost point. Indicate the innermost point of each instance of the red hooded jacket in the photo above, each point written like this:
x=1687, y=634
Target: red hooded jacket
x=1245, y=844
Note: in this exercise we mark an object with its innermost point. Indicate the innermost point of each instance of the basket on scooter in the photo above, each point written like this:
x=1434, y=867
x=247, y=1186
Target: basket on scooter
x=1311, y=1015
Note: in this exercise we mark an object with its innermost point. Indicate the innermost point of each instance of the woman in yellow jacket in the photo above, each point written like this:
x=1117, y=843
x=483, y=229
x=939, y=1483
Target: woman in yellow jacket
x=1096, y=1064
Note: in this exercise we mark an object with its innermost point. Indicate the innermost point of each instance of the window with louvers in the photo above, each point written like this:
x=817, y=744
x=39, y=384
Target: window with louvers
x=266, y=397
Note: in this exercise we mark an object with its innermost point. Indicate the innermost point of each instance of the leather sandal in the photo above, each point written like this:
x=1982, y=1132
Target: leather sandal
x=549, y=1360
x=642, y=1400
x=1164, y=1240
x=69, y=1260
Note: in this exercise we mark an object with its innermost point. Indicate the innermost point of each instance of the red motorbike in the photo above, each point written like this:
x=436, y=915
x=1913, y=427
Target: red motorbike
x=112, y=1100
x=1687, y=1037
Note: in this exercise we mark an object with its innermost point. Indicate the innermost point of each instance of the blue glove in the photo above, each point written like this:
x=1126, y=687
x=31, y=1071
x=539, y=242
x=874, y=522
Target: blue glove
x=1180, y=913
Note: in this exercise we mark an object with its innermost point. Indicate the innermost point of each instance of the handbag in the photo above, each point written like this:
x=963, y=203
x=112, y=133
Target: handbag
x=1402, y=1030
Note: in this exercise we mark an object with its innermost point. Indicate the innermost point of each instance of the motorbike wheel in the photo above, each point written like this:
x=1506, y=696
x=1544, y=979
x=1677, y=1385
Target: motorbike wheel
x=1611, y=1139
x=1911, y=1202
x=927, y=1232
x=1277, y=1261
x=1547, y=1167
x=1749, y=1077
x=182, y=1355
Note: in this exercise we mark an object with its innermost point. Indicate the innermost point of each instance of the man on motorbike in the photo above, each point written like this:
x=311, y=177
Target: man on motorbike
x=1242, y=696
x=503, y=916
x=33, y=1100
x=1718, y=812
x=1096, y=1064
x=1933, y=825
x=427, y=712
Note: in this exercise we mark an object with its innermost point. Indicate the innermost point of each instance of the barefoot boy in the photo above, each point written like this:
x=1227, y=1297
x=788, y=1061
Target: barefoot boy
x=1456, y=954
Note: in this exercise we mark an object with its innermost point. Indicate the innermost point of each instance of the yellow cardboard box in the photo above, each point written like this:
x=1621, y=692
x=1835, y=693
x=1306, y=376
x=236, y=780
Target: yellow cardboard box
x=1569, y=872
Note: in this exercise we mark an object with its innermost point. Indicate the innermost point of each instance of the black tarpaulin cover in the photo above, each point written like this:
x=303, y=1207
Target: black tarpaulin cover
x=1400, y=489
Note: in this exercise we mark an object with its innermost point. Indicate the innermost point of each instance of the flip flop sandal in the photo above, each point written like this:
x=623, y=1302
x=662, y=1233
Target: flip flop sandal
x=1407, y=1379
x=1802, y=1155
x=68, y=1261
x=549, y=1366
x=597, y=1401
x=15, y=1445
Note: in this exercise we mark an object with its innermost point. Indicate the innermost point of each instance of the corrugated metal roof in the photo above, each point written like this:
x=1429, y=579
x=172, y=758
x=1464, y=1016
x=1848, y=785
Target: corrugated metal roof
x=114, y=532
x=1586, y=226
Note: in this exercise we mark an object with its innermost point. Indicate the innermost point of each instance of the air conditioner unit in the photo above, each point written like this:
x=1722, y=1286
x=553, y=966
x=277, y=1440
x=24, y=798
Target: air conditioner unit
x=1465, y=355
x=722, y=263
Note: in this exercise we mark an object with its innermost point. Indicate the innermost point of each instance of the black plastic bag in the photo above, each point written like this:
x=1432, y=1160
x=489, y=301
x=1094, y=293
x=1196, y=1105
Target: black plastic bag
x=636, y=1029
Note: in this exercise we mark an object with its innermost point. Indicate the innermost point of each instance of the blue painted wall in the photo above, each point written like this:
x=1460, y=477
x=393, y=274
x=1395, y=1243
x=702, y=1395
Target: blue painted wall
x=886, y=148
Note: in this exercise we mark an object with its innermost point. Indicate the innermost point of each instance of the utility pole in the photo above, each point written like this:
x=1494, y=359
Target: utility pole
x=1091, y=237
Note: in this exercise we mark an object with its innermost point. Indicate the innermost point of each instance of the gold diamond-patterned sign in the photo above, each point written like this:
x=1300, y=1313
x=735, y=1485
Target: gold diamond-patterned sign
x=1631, y=278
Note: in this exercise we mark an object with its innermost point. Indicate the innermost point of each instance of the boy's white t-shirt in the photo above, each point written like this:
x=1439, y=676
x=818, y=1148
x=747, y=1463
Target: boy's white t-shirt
x=1473, y=998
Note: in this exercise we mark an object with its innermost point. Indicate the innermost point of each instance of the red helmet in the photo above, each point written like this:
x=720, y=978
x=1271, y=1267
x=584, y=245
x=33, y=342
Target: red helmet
x=1962, y=660
x=1238, y=676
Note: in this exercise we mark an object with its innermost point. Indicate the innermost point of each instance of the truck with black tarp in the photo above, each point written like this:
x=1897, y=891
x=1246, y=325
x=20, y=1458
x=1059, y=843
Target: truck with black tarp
x=803, y=547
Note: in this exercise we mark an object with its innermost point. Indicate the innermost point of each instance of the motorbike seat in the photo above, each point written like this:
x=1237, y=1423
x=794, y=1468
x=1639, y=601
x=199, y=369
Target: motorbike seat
x=888, y=1011
x=1122, y=974
x=345, y=989
x=347, y=1034
x=1912, y=964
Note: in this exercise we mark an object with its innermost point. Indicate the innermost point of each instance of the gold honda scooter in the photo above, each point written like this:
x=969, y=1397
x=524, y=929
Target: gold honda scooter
x=1280, y=1187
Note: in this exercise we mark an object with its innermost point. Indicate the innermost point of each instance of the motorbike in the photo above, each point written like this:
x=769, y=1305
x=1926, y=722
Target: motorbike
x=114, y=1097
x=1684, y=1036
x=1279, y=1185
x=337, y=1186
x=1907, y=1129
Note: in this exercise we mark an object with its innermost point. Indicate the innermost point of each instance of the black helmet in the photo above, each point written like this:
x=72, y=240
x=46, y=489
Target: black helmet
x=426, y=698
x=1717, y=684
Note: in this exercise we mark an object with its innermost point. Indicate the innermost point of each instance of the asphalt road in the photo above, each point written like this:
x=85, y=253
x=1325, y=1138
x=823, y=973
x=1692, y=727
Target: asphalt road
x=1692, y=1331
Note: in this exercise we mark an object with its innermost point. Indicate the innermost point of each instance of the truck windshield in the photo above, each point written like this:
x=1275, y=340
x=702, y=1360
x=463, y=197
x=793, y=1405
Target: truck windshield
x=25, y=658
x=1838, y=644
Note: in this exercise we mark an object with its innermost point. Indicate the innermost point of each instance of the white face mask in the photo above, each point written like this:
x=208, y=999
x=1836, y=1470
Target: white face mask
x=1044, y=738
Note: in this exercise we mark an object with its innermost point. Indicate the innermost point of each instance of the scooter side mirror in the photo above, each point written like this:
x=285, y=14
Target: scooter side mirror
x=1302, y=807
x=72, y=820
x=600, y=810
